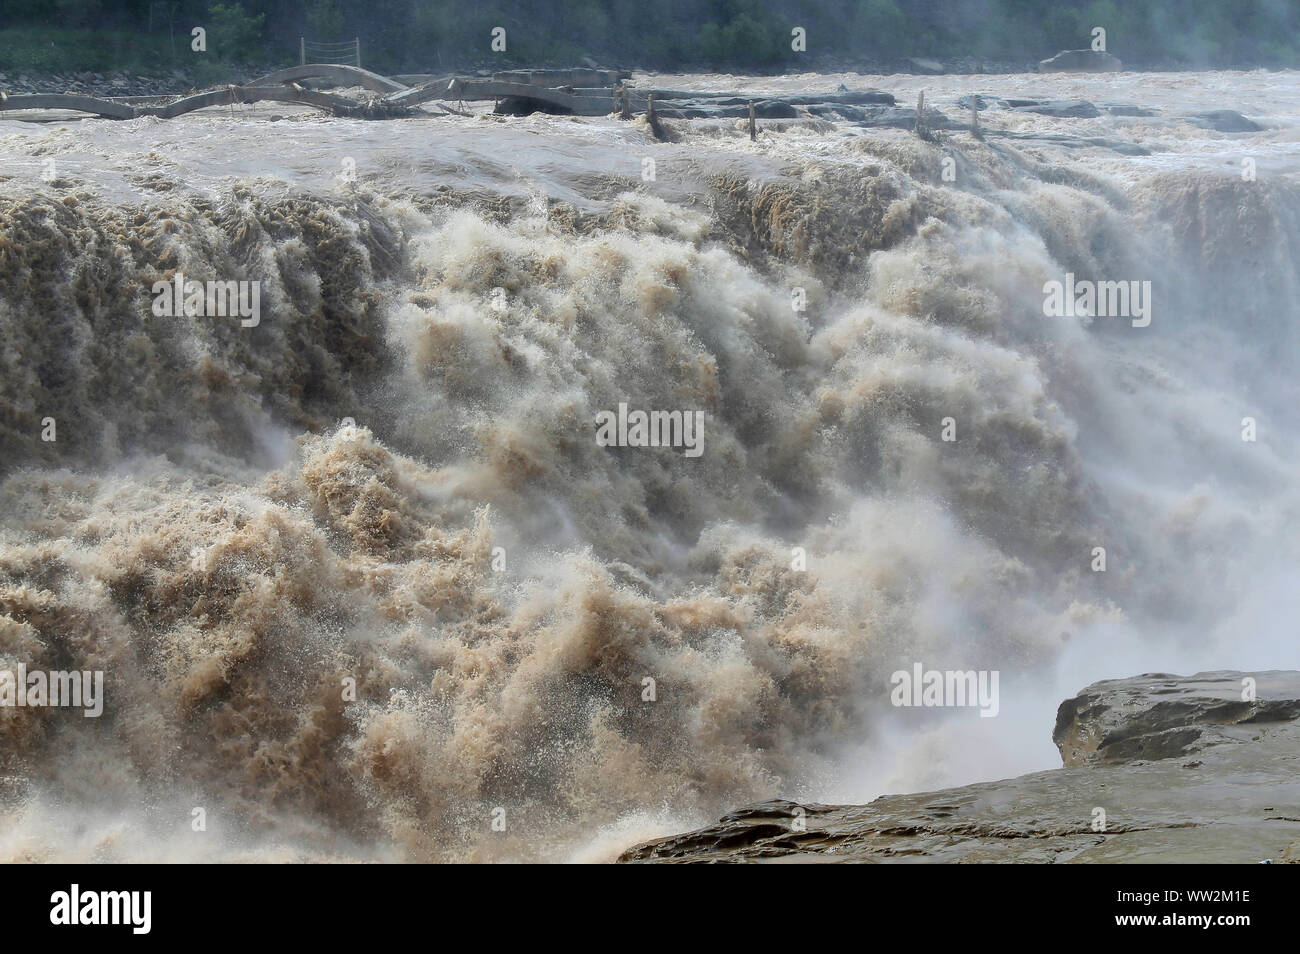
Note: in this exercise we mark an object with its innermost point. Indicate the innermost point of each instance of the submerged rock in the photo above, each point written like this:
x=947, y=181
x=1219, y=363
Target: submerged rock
x=1224, y=120
x=1128, y=109
x=1060, y=108
x=981, y=101
x=1157, y=768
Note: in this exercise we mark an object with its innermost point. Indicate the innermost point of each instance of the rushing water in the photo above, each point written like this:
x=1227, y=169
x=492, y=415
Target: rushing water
x=211, y=531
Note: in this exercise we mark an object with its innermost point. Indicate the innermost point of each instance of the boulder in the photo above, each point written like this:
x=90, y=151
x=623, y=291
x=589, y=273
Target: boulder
x=1081, y=61
x=773, y=109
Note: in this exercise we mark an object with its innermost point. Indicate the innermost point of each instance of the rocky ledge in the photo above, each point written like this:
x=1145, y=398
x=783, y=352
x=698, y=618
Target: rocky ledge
x=1157, y=769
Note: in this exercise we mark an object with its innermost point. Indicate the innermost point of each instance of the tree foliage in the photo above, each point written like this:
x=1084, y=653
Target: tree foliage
x=418, y=35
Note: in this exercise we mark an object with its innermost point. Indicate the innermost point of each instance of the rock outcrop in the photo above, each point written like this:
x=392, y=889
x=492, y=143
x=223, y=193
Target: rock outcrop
x=1224, y=120
x=1157, y=768
x=1081, y=61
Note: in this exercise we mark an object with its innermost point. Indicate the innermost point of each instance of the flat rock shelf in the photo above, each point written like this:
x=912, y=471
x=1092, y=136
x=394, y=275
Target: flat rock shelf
x=1203, y=768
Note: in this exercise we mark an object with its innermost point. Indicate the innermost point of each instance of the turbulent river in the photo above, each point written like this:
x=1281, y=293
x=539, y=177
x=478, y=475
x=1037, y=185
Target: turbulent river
x=364, y=585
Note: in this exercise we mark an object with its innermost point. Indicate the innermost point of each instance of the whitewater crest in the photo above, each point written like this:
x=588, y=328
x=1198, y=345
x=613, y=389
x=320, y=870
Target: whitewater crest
x=365, y=581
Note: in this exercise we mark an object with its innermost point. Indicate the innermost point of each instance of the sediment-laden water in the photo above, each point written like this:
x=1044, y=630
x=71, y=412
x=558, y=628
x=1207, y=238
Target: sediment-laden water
x=392, y=481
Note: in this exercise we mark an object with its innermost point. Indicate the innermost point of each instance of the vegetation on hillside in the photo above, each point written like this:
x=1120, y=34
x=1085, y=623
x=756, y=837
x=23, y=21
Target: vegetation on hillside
x=730, y=35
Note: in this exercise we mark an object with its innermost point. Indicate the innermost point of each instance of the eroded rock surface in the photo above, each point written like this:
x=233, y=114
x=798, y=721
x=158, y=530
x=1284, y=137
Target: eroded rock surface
x=1186, y=769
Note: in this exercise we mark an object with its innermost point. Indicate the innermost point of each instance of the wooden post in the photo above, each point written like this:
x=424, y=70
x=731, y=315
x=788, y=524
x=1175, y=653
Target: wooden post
x=975, y=116
x=657, y=129
x=920, y=114
x=753, y=128
x=302, y=51
x=358, y=42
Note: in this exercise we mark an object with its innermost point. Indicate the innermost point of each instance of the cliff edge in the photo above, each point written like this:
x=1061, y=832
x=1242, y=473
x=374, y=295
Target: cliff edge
x=1157, y=769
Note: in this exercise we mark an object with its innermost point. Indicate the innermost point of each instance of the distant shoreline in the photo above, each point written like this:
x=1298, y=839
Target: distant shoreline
x=120, y=83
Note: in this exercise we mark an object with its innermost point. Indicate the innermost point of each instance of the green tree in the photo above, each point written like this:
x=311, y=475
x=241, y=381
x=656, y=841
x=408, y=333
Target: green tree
x=233, y=34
